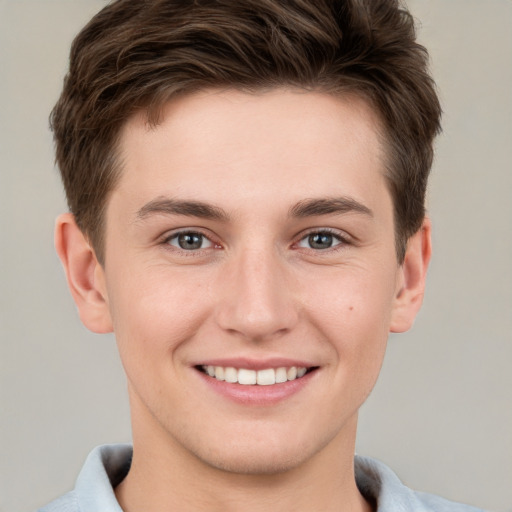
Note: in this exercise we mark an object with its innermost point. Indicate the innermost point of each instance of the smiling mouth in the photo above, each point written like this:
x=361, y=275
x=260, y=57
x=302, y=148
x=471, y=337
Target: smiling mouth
x=264, y=377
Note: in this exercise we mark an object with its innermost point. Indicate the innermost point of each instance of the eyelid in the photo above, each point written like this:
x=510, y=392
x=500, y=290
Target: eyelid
x=342, y=237
x=170, y=235
x=206, y=243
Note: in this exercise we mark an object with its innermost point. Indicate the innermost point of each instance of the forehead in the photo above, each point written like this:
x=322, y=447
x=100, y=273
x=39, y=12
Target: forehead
x=286, y=143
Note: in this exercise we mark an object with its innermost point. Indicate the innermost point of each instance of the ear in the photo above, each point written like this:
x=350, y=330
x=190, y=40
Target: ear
x=411, y=279
x=85, y=276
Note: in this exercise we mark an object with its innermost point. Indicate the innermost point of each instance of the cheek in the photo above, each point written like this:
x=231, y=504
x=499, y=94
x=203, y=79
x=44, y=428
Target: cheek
x=353, y=312
x=154, y=311
x=351, y=300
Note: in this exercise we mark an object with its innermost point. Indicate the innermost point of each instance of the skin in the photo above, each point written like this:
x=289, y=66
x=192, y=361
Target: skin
x=255, y=289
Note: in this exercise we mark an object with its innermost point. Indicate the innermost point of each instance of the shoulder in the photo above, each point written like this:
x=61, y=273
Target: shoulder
x=104, y=468
x=380, y=484
x=66, y=503
x=435, y=503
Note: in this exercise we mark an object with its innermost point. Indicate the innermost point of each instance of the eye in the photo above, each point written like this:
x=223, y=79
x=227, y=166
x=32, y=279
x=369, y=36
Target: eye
x=189, y=241
x=320, y=240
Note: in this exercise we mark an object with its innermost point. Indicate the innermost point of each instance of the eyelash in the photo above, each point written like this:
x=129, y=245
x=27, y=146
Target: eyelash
x=342, y=241
x=166, y=241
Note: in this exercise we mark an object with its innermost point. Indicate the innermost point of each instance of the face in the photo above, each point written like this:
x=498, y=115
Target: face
x=250, y=239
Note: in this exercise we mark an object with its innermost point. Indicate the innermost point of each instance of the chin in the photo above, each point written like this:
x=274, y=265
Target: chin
x=250, y=462
x=260, y=455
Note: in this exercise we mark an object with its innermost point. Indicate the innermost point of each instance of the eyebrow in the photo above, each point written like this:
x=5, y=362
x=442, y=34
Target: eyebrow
x=305, y=208
x=168, y=206
x=326, y=206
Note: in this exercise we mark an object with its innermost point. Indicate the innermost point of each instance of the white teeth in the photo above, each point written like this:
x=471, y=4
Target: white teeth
x=247, y=377
x=291, y=373
x=230, y=375
x=301, y=372
x=281, y=375
x=266, y=377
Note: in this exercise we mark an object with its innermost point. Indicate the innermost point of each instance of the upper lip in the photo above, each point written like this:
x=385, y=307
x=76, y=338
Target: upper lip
x=255, y=364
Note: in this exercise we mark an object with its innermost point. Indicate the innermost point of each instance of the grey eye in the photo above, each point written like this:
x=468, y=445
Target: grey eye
x=190, y=241
x=320, y=240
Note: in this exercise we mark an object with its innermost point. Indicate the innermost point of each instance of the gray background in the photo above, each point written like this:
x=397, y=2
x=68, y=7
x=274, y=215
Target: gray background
x=441, y=413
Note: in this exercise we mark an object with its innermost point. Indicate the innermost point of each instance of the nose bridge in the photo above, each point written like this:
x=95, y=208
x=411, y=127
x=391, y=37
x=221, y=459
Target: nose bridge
x=257, y=300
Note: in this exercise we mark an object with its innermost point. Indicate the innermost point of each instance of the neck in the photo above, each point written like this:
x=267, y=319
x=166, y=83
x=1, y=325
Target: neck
x=165, y=476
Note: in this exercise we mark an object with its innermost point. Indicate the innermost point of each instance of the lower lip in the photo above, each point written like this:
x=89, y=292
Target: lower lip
x=257, y=395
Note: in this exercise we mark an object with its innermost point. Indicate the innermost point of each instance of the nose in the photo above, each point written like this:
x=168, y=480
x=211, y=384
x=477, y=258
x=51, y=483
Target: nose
x=257, y=300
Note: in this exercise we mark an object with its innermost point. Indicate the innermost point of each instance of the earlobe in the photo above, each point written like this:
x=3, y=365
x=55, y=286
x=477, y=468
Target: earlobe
x=411, y=282
x=84, y=274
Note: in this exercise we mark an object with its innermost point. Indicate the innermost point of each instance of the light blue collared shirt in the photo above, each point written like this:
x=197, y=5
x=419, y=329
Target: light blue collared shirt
x=107, y=465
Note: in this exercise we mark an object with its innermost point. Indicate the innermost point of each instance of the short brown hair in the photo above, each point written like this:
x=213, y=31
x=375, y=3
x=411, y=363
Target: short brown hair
x=137, y=55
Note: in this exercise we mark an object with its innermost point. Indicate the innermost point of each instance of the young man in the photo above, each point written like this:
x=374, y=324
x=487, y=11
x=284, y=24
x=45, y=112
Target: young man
x=246, y=183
